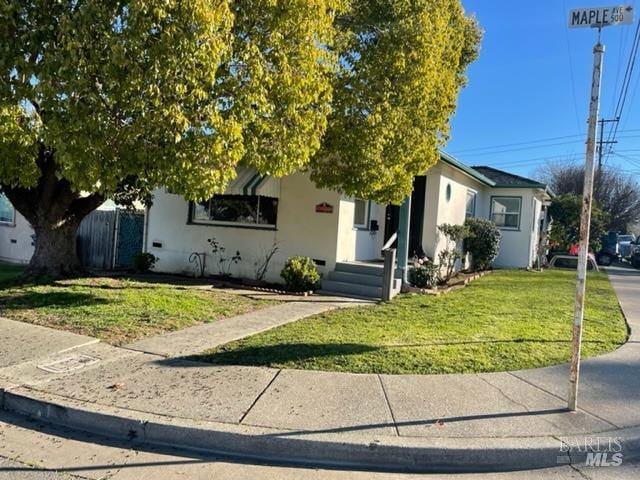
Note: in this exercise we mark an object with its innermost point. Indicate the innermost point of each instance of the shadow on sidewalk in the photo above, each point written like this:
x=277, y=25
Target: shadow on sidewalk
x=425, y=423
x=272, y=354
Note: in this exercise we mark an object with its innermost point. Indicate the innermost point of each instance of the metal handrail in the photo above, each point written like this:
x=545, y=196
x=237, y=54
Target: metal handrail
x=391, y=241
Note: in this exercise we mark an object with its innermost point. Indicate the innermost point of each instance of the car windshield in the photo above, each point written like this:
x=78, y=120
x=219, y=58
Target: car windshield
x=625, y=238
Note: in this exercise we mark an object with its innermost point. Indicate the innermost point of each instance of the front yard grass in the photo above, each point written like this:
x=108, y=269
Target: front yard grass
x=504, y=321
x=117, y=311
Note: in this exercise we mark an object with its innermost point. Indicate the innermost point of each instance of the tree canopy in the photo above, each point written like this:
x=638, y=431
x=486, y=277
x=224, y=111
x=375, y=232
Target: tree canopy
x=114, y=98
x=565, y=210
x=402, y=65
x=179, y=92
x=618, y=195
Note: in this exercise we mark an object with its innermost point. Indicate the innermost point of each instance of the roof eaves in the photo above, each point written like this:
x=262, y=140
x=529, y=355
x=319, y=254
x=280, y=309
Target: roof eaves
x=454, y=162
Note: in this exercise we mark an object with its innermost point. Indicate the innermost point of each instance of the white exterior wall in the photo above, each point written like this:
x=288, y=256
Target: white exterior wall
x=439, y=210
x=328, y=237
x=517, y=247
x=359, y=244
x=16, y=243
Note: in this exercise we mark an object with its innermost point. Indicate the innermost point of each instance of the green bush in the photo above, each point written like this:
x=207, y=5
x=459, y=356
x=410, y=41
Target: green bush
x=144, y=262
x=300, y=274
x=565, y=228
x=424, y=273
x=482, y=242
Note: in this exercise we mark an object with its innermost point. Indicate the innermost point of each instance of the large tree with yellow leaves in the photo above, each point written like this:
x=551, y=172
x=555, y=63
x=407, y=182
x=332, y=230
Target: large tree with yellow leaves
x=111, y=98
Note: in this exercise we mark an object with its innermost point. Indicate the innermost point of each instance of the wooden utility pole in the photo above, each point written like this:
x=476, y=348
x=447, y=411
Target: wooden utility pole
x=593, y=17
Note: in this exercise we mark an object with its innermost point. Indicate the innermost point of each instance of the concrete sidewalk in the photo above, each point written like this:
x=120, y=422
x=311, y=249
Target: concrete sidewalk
x=493, y=421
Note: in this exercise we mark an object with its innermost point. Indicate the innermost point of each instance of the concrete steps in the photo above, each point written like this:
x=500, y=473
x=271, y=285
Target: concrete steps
x=356, y=279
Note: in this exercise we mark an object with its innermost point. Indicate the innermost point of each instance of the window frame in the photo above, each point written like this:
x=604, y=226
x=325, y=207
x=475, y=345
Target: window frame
x=367, y=214
x=191, y=220
x=519, y=213
x=475, y=204
x=12, y=222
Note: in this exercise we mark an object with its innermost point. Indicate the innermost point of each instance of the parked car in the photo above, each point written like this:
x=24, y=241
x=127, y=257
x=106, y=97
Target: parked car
x=625, y=246
x=609, y=252
x=635, y=255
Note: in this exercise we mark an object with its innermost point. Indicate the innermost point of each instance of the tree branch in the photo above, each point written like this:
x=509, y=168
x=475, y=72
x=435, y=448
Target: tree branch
x=83, y=206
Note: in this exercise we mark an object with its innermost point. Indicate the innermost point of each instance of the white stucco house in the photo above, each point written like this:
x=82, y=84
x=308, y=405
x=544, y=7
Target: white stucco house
x=344, y=236
x=16, y=234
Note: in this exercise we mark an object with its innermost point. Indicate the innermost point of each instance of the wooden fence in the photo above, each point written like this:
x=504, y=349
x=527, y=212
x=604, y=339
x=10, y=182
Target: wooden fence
x=110, y=239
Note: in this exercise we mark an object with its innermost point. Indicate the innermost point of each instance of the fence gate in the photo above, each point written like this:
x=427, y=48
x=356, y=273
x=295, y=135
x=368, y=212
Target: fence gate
x=130, y=230
x=110, y=239
x=95, y=239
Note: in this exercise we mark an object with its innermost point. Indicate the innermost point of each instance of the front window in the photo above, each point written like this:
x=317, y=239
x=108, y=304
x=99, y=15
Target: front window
x=471, y=204
x=248, y=210
x=7, y=212
x=505, y=212
x=361, y=213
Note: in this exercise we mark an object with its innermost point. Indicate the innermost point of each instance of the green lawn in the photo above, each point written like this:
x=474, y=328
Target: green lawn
x=118, y=311
x=504, y=321
x=9, y=272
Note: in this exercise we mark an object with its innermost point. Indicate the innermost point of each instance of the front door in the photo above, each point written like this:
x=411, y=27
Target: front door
x=392, y=216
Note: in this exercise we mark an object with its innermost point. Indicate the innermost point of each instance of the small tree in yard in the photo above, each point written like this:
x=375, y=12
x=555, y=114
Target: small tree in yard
x=113, y=98
x=482, y=242
x=447, y=258
x=565, y=212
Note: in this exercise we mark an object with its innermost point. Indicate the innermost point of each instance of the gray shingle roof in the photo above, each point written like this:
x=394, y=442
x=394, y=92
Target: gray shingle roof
x=506, y=179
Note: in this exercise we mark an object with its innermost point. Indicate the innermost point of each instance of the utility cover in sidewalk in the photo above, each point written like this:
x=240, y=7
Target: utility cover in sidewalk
x=69, y=364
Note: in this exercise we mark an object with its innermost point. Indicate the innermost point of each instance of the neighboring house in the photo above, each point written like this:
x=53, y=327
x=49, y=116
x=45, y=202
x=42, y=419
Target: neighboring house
x=340, y=233
x=16, y=235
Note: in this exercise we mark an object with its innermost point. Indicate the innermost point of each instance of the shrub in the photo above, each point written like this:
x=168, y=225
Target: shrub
x=447, y=258
x=565, y=228
x=424, y=273
x=144, y=262
x=300, y=274
x=482, y=242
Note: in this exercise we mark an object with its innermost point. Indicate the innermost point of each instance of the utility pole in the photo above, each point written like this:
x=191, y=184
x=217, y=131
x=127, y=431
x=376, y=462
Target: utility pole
x=595, y=17
x=585, y=224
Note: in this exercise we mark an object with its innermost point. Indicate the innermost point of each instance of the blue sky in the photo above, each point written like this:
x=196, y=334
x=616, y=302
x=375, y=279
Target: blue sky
x=532, y=81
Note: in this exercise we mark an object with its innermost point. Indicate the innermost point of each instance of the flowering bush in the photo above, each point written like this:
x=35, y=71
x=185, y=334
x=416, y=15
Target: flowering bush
x=424, y=273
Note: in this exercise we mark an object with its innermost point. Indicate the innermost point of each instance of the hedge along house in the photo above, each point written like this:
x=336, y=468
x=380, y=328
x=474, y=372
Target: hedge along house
x=344, y=236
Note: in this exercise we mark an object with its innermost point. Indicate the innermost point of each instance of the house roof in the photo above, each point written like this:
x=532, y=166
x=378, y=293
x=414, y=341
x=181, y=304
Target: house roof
x=472, y=172
x=493, y=177
x=504, y=179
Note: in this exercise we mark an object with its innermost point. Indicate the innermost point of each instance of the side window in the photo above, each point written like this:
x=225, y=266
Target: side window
x=505, y=212
x=471, y=204
x=7, y=212
x=361, y=213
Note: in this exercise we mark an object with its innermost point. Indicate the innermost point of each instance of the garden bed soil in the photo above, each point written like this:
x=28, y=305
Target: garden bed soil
x=461, y=280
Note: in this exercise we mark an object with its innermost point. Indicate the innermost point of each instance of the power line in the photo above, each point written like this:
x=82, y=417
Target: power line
x=529, y=142
x=625, y=83
x=572, y=75
x=498, y=152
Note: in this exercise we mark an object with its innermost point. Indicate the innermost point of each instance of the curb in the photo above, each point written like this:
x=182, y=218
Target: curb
x=385, y=453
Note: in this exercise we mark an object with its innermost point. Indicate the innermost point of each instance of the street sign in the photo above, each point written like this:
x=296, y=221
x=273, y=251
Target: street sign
x=596, y=17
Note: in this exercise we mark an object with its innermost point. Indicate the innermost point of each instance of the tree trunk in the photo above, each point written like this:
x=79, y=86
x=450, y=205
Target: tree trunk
x=55, y=211
x=55, y=254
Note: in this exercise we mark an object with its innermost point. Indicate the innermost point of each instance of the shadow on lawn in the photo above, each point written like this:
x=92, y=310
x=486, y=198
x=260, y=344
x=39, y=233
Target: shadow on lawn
x=299, y=352
x=31, y=300
x=268, y=355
